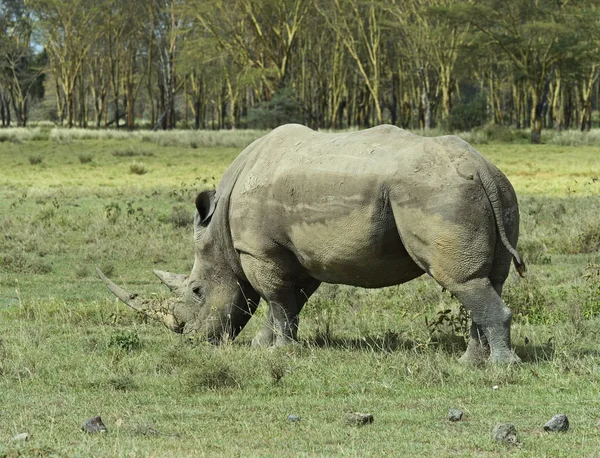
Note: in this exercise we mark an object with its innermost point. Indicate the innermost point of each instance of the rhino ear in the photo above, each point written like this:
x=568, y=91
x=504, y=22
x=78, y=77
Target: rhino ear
x=205, y=204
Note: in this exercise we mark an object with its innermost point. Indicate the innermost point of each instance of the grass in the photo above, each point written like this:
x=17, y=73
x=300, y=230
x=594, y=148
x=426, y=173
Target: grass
x=68, y=351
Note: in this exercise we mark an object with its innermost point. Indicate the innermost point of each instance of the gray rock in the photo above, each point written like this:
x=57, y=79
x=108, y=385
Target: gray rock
x=359, y=419
x=455, y=414
x=293, y=418
x=558, y=423
x=505, y=432
x=22, y=437
x=94, y=425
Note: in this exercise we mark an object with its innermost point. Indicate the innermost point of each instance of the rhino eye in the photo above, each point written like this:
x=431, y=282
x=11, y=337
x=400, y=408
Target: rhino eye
x=197, y=290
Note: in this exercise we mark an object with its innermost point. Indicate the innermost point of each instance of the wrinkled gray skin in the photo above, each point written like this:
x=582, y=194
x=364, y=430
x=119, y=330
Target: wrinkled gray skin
x=372, y=208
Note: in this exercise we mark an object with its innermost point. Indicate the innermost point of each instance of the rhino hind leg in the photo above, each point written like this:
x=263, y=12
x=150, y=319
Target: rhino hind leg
x=491, y=322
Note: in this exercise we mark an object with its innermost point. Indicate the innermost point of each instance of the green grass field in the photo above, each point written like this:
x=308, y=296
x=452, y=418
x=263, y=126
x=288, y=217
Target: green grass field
x=69, y=351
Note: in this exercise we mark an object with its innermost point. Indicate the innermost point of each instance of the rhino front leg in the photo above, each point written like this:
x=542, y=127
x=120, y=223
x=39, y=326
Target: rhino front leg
x=491, y=322
x=281, y=324
x=286, y=288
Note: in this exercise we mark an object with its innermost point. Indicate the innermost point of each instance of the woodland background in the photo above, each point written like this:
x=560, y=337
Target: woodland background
x=330, y=64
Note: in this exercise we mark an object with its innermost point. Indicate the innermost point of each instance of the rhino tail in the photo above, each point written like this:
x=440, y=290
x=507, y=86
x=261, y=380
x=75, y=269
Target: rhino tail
x=493, y=195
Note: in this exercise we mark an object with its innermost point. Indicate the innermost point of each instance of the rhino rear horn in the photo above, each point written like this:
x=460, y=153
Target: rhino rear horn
x=175, y=282
x=161, y=310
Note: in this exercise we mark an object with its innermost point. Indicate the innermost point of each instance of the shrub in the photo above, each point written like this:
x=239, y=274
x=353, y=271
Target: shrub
x=81, y=272
x=126, y=340
x=215, y=373
x=281, y=109
x=131, y=151
x=112, y=212
x=36, y=159
x=138, y=168
x=591, y=296
x=534, y=251
x=469, y=114
x=85, y=158
x=181, y=216
x=588, y=240
x=530, y=302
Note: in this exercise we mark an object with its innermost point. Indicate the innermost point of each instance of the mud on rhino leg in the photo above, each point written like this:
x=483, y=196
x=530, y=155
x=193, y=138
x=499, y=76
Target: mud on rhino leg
x=491, y=321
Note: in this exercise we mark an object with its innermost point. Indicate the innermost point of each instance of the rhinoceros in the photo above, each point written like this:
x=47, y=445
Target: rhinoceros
x=371, y=208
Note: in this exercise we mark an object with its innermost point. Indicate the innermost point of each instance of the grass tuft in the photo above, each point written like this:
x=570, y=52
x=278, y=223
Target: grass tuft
x=214, y=372
x=126, y=340
x=131, y=151
x=85, y=158
x=35, y=160
x=181, y=216
x=138, y=168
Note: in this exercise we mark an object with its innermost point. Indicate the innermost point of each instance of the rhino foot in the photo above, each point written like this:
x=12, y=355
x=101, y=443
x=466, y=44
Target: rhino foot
x=504, y=357
x=475, y=356
x=265, y=338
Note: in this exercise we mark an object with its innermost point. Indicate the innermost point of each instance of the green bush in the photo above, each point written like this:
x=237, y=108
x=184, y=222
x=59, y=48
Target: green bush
x=35, y=160
x=85, y=158
x=126, y=340
x=281, y=109
x=138, y=168
x=468, y=114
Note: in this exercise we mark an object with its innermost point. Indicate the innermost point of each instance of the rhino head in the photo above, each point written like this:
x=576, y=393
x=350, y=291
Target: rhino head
x=214, y=300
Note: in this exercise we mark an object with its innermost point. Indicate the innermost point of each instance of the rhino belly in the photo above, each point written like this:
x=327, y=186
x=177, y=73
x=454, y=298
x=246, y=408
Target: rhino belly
x=351, y=251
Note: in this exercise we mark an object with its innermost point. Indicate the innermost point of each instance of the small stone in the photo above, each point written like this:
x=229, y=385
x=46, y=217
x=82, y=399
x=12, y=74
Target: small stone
x=293, y=418
x=505, y=432
x=558, y=423
x=495, y=387
x=94, y=425
x=359, y=419
x=22, y=437
x=455, y=414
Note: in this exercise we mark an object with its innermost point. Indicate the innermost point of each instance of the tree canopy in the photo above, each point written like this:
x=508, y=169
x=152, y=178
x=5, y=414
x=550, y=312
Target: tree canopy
x=328, y=64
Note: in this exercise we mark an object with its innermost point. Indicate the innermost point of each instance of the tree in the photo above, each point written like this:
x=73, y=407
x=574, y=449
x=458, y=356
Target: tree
x=358, y=24
x=532, y=35
x=21, y=70
x=69, y=31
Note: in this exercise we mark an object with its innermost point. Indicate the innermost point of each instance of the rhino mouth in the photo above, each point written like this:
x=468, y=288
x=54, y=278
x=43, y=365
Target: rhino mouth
x=158, y=309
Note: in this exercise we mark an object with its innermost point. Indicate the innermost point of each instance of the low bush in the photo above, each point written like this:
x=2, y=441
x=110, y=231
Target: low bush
x=35, y=159
x=85, y=158
x=138, y=168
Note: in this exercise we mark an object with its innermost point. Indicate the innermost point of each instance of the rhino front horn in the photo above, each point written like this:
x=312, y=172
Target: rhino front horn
x=161, y=310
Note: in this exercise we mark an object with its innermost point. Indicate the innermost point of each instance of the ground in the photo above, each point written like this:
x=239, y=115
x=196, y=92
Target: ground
x=69, y=351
